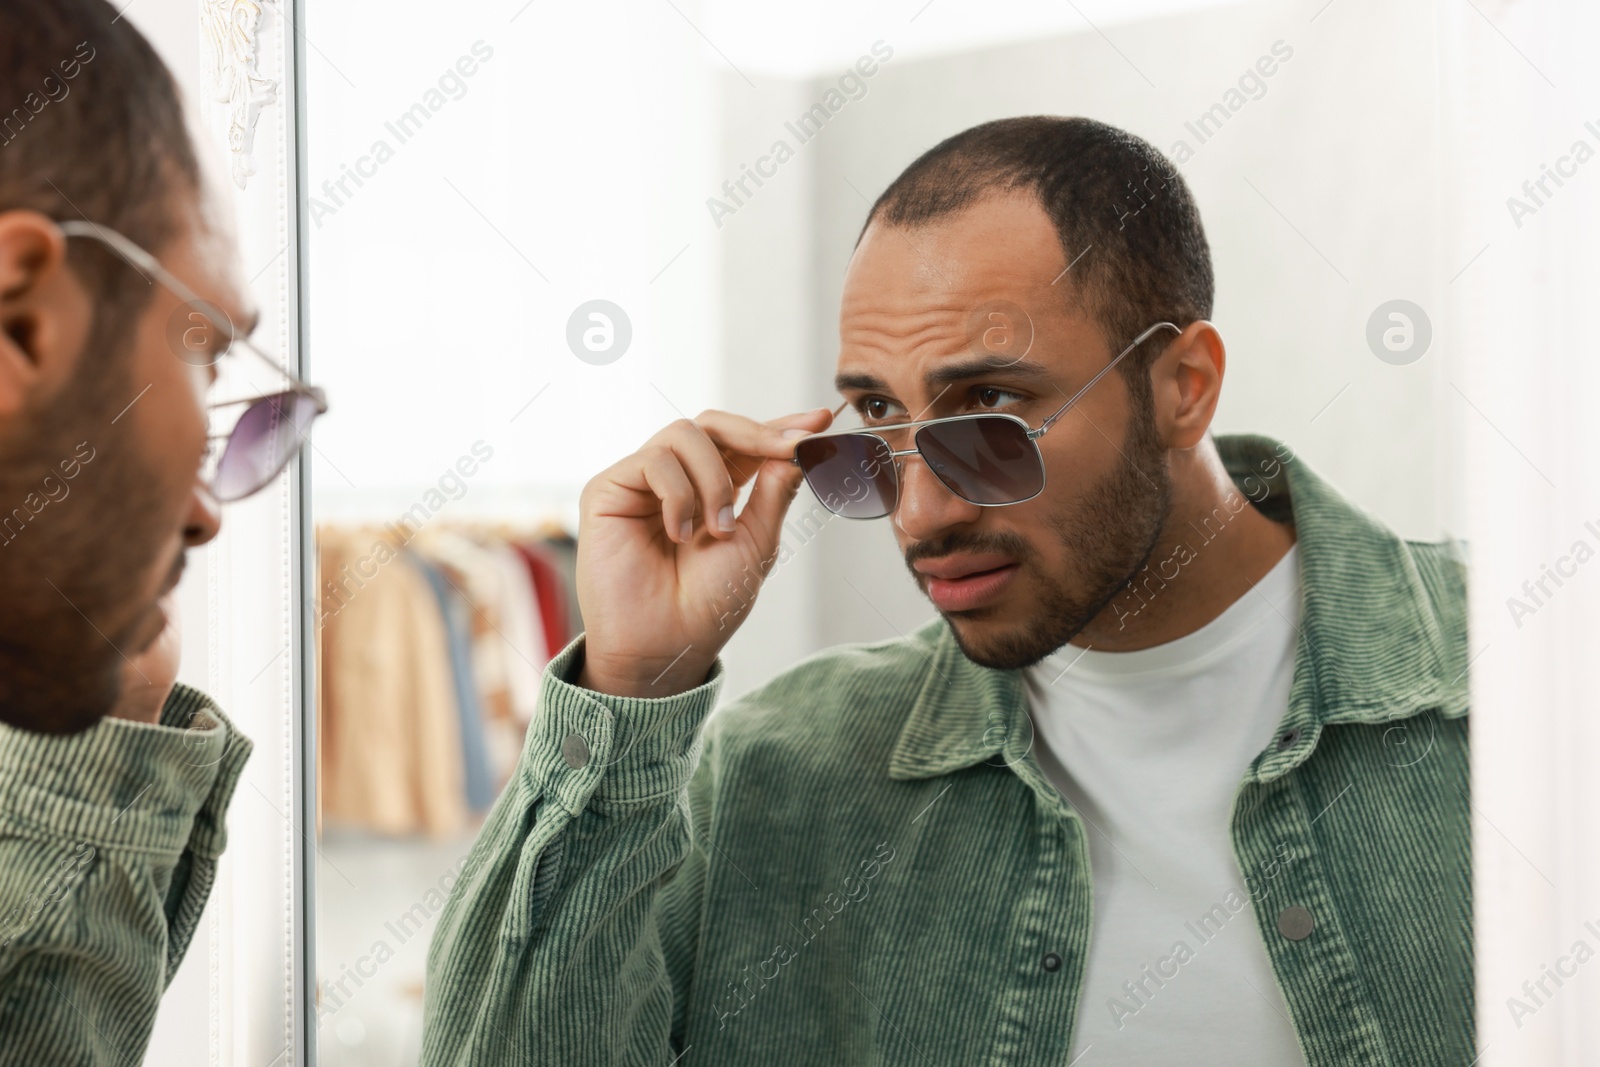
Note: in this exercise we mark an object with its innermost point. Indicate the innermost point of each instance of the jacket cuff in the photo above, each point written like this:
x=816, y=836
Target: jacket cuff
x=155, y=788
x=583, y=745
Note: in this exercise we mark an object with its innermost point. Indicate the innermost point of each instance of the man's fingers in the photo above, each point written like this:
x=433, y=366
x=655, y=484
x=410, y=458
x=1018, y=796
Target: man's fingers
x=694, y=470
x=745, y=437
x=666, y=478
x=721, y=451
x=772, y=440
x=775, y=488
x=706, y=467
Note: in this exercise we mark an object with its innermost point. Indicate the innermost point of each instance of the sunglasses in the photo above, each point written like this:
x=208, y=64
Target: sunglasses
x=985, y=459
x=271, y=430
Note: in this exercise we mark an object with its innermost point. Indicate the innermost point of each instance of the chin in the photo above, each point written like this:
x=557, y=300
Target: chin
x=986, y=639
x=144, y=630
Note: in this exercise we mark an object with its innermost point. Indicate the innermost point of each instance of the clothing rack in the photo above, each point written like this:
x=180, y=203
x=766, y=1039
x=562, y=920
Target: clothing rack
x=432, y=642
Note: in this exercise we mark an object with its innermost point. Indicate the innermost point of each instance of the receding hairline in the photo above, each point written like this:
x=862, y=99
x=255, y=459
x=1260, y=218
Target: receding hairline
x=1002, y=187
x=1078, y=294
x=1126, y=274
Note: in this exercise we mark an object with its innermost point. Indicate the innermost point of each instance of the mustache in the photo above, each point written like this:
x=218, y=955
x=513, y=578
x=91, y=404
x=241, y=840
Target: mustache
x=1000, y=543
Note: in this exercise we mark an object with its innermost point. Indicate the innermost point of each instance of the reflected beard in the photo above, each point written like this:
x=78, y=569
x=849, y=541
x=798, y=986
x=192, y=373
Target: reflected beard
x=1110, y=534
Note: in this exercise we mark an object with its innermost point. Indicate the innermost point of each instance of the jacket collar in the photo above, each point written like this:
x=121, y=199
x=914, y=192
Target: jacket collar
x=1379, y=639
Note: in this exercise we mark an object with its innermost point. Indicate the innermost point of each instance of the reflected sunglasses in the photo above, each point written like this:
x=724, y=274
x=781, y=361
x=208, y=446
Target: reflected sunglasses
x=272, y=428
x=985, y=459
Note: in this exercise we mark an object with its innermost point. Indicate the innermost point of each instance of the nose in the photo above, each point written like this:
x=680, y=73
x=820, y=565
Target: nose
x=204, y=520
x=926, y=507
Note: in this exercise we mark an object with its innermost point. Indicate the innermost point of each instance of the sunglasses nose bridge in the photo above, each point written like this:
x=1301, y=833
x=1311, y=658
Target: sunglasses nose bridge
x=925, y=503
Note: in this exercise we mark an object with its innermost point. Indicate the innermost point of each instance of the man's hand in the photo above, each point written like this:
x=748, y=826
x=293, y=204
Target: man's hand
x=662, y=583
x=148, y=676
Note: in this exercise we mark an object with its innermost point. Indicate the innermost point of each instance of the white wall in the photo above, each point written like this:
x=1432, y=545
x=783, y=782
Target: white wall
x=443, y=283
x=1522, y=96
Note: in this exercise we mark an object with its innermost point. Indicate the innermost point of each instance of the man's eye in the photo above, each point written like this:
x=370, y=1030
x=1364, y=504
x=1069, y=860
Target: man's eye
x=991, y=397
x=876, y=407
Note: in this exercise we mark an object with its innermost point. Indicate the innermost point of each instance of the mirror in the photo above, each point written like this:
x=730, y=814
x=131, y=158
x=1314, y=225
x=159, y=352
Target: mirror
x=538, y=234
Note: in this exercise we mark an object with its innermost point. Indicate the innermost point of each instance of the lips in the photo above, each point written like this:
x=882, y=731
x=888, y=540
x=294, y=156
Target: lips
x=950, y=568
x=963, y=583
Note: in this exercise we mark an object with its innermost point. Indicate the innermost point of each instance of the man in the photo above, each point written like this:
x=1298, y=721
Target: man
x=1179, y=774
x=114, y=781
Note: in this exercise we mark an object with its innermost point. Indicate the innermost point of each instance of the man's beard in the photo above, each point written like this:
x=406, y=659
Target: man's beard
x=1109, y=536
x=77, y=564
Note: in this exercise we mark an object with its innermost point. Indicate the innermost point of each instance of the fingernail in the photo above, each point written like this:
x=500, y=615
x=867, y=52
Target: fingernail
x=794, y=431
x=686, y=530
x=725, y=519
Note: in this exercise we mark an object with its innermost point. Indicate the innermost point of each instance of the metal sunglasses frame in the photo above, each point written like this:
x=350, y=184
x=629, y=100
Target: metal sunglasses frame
x=1033, y=434
x=146, y=263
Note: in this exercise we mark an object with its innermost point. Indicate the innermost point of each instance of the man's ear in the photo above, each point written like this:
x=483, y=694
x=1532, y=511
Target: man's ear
x=1187, y=382
x=44, y=311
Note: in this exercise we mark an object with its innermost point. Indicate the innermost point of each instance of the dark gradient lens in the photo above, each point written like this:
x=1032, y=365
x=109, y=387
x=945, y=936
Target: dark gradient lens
x=851, y=473
x=266, y=438
x=985, y=460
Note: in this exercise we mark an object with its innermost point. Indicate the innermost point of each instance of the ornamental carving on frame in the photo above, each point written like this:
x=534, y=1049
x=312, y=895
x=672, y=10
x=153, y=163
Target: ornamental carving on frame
x=230, y=42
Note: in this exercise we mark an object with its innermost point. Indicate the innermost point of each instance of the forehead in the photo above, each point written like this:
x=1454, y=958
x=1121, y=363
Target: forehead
x=929, y=290
x=1000, y=241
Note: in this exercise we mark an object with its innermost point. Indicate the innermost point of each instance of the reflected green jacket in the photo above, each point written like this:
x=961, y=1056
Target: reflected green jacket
x=861, y=863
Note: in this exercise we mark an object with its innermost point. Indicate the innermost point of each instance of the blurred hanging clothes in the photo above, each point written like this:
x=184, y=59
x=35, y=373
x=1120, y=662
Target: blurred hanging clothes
x=453, y=605
x=508, y=649
x=433, y=647
x=389, y=746
x=551, y=597
x=524, y=631
x=560, y=547
x=473, y=569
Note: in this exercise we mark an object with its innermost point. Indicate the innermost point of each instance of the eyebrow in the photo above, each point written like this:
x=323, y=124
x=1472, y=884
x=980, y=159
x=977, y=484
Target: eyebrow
x=990, y=366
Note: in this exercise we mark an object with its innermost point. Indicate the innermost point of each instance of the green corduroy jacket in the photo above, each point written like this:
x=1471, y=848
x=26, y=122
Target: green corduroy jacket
x=860, y=862
x=109, y=842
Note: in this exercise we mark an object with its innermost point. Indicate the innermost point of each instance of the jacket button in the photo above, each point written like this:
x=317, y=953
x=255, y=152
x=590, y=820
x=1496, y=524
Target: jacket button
x=1287, y=739
x=1051, y=962
x=1295, y=923
x=575, y=750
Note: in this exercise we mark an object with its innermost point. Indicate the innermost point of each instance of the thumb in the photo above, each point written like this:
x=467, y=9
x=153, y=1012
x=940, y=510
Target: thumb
x=777, y=481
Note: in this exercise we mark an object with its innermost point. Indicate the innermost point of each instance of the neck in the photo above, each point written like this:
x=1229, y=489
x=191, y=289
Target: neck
x=1214, y=547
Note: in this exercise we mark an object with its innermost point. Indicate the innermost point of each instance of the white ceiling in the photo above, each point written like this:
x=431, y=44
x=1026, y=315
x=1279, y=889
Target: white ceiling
x=797, y=38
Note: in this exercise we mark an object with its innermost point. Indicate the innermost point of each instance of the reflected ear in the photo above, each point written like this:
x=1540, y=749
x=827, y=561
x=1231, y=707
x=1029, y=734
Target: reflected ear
x=43, y=309
x=1186, y=382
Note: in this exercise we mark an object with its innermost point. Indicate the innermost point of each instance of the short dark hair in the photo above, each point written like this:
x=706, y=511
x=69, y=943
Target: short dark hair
x=1131, y=265
x=92, y=126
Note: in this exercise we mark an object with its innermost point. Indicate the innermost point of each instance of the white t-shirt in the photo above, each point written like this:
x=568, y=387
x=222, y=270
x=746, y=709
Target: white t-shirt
x=1150, y=747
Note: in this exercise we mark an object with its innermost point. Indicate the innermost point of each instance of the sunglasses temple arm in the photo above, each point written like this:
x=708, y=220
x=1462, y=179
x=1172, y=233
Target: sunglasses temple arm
x=841, y=407
x=143, y=261
x=137, y=258
x=1137, y=341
